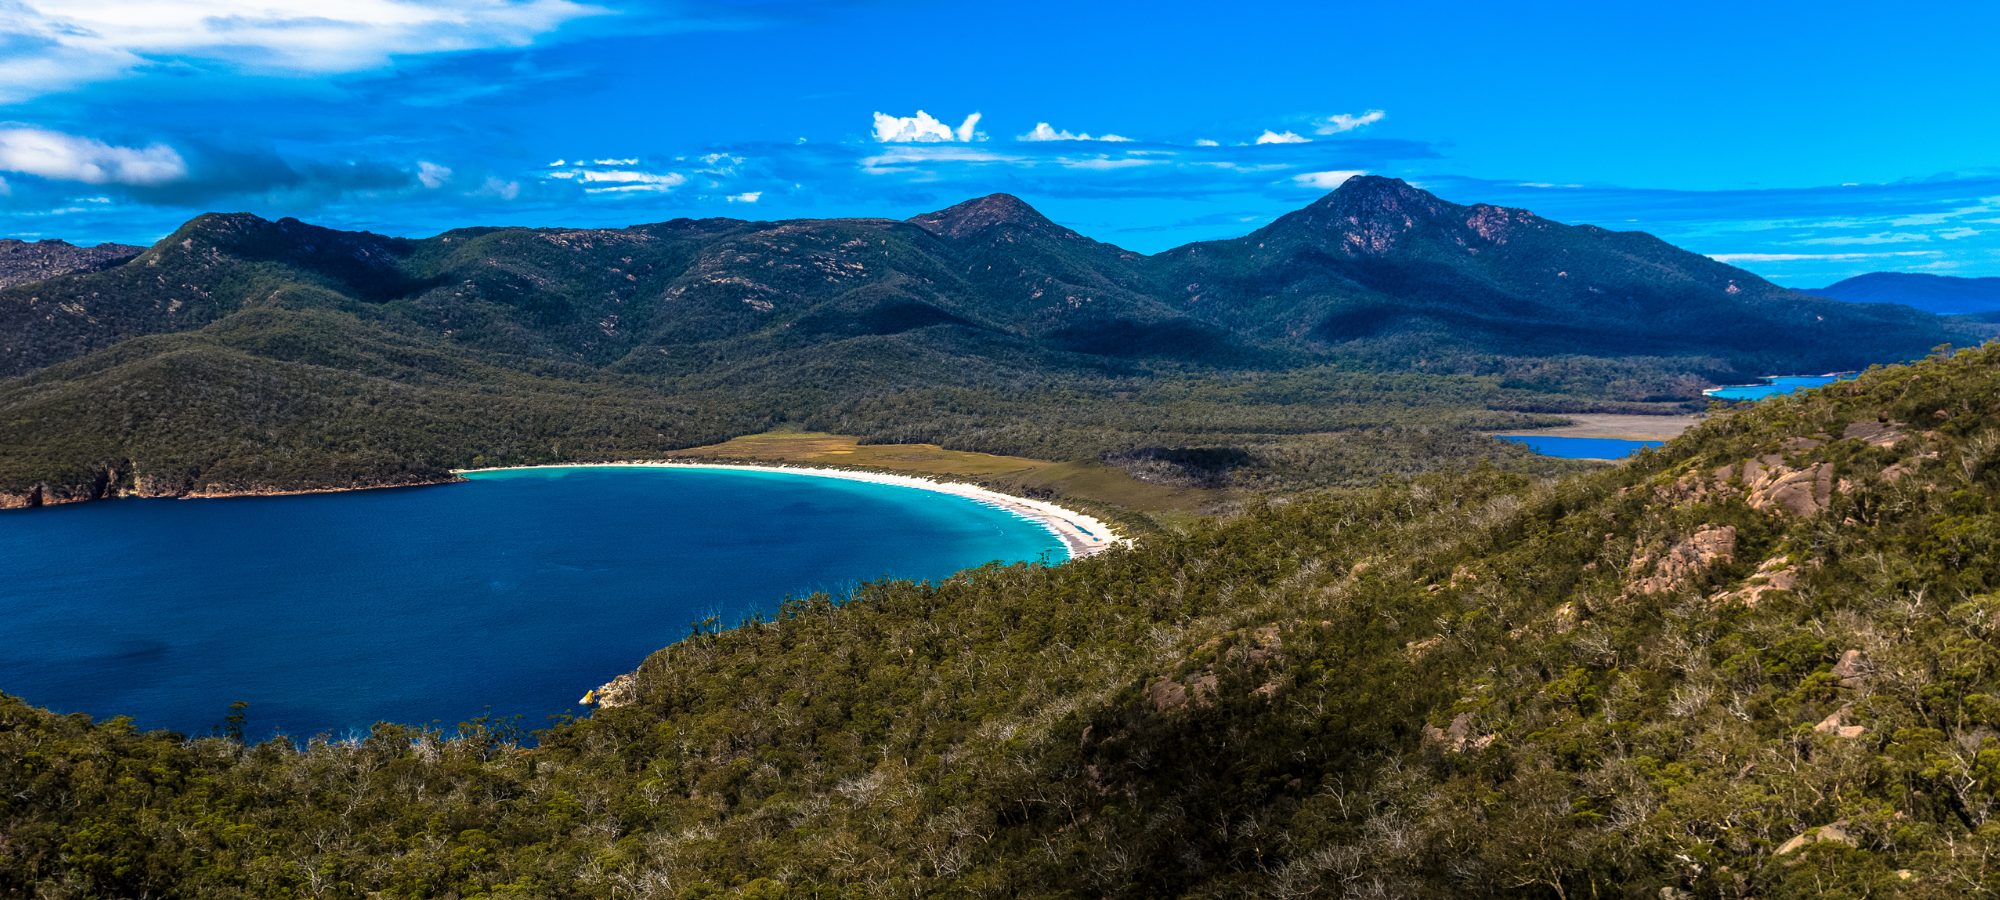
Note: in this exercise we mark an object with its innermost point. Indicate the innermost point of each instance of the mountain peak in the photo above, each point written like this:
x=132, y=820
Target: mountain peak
x=979, y=213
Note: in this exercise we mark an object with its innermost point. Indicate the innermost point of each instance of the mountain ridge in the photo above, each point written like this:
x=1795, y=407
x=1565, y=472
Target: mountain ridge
x=1940, y=294
x=1407, y=317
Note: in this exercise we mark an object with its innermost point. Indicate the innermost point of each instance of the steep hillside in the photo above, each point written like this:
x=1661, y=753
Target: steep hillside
x=1390, y=271
x=1757, y=662
x=1944, y=295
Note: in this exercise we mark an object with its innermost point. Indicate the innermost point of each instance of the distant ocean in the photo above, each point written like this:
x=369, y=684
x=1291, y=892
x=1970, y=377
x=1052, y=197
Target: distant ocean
x=513, y=593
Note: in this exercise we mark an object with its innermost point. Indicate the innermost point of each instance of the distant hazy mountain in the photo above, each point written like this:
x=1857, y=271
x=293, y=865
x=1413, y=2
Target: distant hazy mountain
x=1945, y=295
x=25, y=261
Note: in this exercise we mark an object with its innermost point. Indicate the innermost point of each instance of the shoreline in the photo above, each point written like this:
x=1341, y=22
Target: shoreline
x=1081, y=535
x=1614, y=426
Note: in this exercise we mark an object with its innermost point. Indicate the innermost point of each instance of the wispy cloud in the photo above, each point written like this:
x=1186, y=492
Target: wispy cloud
x=68, y=157
x=1044, y=132
x=924, y=128
x=58, y=44
x=1326, y=181
x=431, y=175
x=1346, y=122
x=745, y=197
x=1814, y=257
x=1282, y=137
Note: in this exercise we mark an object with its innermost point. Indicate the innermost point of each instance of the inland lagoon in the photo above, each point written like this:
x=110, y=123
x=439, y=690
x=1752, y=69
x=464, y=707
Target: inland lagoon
x=1567, y=447
x=1773, y=385
x=512, y=593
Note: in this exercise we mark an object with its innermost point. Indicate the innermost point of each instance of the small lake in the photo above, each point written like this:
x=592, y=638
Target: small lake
x=1579, y=447
x=1773, y=386
x=513, y=593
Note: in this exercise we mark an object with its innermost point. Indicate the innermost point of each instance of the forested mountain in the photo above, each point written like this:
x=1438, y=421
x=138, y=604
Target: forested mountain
x=240, y=354
x=1945, y=295
x=1759, y=661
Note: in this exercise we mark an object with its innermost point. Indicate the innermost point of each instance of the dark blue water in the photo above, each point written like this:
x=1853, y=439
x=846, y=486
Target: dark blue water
x=1772, y=386
x=513, y=593
x=1579, y=447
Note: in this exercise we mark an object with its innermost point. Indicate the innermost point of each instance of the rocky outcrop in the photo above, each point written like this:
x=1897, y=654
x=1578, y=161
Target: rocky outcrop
x=1774, y=575
x=1459, y=736
x=1836, y=725
x=1883, y=434
x=1835, y=833
x=1853, y=669
x=23, y=262
x=617, y=692
x=1775, y=487
x=106, y=481
x=1682, y=563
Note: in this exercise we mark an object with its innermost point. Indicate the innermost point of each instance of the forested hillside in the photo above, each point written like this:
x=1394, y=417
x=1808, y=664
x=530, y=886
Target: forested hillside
x=243, y=355
x=1759, y=661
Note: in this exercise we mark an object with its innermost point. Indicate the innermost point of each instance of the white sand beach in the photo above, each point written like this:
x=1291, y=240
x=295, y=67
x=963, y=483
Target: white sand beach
x=1083, y=535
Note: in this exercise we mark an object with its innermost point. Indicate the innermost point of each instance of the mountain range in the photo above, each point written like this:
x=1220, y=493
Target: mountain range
x=244, y=354
x=1945, y=295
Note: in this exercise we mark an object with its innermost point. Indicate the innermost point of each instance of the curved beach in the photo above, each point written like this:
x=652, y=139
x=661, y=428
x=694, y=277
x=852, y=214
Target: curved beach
x=1082, y=535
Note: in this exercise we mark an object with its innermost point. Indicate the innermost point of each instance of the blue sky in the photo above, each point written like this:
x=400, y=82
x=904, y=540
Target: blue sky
x=1804, y=141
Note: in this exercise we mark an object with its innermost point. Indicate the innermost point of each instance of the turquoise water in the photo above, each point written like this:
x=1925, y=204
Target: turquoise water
x=1772, y=386
x=512, y=593
x=1579, y=447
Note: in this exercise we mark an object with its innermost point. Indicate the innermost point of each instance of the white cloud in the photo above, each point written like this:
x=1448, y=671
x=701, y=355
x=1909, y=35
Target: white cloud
x=1105, y=162
x=1346, y=122
x=625, y=180
x=495, y=187
x=1044, y=132
x=1885, y=237
x=902, y=158
x=923, y=128
x=1327, y=181
x=432, y=175
x=1285, y=137
x=745, y=197
x=1817, y=257
x=1205, y=142
x=558, y=164
x=628, y=161
x=1954, y=234
x=67, y=157
x=58, y=44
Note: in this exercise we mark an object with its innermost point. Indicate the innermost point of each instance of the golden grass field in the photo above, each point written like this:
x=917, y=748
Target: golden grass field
x=1090, y=483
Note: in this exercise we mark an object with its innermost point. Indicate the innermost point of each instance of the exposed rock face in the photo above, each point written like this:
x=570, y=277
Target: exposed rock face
x=1852, y=669
x=22, y=262
x=1458, y=737
x=1774, y=575
x=1687, y=560
x=1837, y=726
x=1775, y=487
x=1879, y=434
x=620, y=691
x=1834, y=833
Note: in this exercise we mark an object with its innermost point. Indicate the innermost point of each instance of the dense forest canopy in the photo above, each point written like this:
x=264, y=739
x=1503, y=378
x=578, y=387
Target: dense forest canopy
x=1758, y=661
